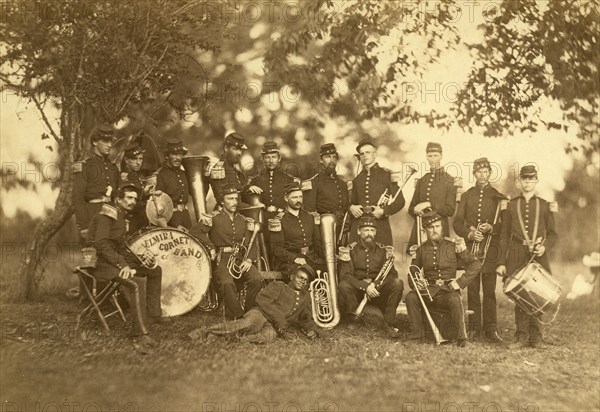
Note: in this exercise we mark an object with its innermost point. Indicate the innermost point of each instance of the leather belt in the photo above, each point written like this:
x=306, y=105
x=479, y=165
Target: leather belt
x=441, y=282
x=180, y=207
x=102, y=199
x=227, y=249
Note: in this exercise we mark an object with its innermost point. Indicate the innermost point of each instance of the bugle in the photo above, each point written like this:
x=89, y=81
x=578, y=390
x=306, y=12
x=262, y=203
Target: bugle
x=323, y=290
x=379, y=279
x=421, y=287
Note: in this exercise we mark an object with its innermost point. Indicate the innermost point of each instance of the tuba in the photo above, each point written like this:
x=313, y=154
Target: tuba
x=195, y=171
x=323, y=290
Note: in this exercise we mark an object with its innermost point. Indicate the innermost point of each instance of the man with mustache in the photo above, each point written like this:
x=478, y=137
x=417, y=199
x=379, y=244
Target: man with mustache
x=438, y=257
x=228, y=170
x=95, y=179
x=228, y=228
x=326, y=191
x=295, y=237
x=359, y=266
x=171, y=180
x=107, y=232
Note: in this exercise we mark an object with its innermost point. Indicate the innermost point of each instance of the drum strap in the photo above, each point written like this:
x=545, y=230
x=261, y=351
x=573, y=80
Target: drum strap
x=535, y=225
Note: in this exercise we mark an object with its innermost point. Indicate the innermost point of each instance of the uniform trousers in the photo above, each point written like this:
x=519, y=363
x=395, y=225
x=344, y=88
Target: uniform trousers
x=445, y=300
x=253, y=327
x=229, y=287
x=388, y=300
x=487, y=282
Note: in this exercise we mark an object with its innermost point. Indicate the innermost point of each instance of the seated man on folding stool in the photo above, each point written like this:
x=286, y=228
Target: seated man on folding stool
x=117, y=263
x=438, y=258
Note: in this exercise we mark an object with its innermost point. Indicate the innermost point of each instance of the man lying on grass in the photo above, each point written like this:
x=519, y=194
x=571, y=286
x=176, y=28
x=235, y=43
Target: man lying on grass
x=278, y=306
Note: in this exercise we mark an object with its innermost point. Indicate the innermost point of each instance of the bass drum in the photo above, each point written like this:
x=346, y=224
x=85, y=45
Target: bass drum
x=185, y=265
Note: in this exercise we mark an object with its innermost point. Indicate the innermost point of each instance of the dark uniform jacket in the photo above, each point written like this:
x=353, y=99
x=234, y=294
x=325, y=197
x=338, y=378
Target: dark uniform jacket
x=365, y=263
x=224, y=231
x=328, y=194
x=367, y=188
x=137, y=218
x=438, y=188
x=440, y=261
x=272, y=182
x=173, y=182
x=283, y=306
x=295, y=235
x=223, y=173
x=514, y=251
x=107, y=233
x=479, y=205
x=92, y=177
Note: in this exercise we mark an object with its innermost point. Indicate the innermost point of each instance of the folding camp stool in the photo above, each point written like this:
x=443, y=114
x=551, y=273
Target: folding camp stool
x=109, y=292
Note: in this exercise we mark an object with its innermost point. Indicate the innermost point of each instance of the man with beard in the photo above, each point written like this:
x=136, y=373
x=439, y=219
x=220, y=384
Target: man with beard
x=295, y=237
x=438, y=257
x=358, y=270
x=372, y=192
x=115, y=263
x=528, y=230
x=278, y=306
x=478, y=209
x=228, y=170
x=228, y=229
x=171, y=180
x=327, y=192
x=95, y=179
x=435, y=190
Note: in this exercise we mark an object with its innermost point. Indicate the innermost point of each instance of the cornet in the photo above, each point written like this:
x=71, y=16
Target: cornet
x=381, y=277
x=146, y=257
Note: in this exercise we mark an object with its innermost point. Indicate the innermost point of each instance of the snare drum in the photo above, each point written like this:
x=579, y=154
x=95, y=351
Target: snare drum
x=185, y=265
x=534, y=290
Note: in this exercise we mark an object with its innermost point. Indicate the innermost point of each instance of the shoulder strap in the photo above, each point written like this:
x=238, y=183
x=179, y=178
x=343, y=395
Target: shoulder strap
x=110, y=211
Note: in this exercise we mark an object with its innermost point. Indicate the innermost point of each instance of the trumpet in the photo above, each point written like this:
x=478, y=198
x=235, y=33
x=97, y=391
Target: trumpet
x=323, y=290
x=241, y=252
x=421, y=288
x=145, y=257
x=379, y=279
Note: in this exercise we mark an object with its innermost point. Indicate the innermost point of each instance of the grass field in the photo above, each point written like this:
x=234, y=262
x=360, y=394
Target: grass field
x=48, y=366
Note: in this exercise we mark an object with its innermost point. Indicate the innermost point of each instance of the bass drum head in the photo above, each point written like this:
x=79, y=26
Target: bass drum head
x=185, y=265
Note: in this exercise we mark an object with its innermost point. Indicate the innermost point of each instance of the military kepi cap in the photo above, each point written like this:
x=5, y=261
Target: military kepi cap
x=229, y=188
x=130, y=186
x=308, y=270
x=366, y=221
x=481, y=163
x=236, y=140
x=270, y=147
x=364, y=142
x=175, y=145
x=132, y=150
x=291, y=187
x=528, y=171
x=433, y=147
x=104, y=132
x=431, y=217
x=327, y=149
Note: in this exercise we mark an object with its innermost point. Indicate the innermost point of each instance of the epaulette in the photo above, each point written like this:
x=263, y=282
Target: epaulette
x=344, y=254
x=110, y=211
x=553, y=207
x=306, y=184
x=351, y=245
x=458, y=182
x=124, y=177
x=78, y=166
x=206, y=218
x=280, y=214
x=296, y=179
x=217, y=172
x=249, y=223
x=275, y=225
x=316, y=217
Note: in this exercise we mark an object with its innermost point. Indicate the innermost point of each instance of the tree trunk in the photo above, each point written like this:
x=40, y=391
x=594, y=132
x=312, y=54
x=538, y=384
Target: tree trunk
x=32, y=263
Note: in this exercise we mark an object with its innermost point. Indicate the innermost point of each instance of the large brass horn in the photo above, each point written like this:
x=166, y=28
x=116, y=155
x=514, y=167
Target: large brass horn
x=323, y=290
x=257, y=212
x=195, y=167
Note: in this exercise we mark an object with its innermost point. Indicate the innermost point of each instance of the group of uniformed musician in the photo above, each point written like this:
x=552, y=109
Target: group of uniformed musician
x=110, y=204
